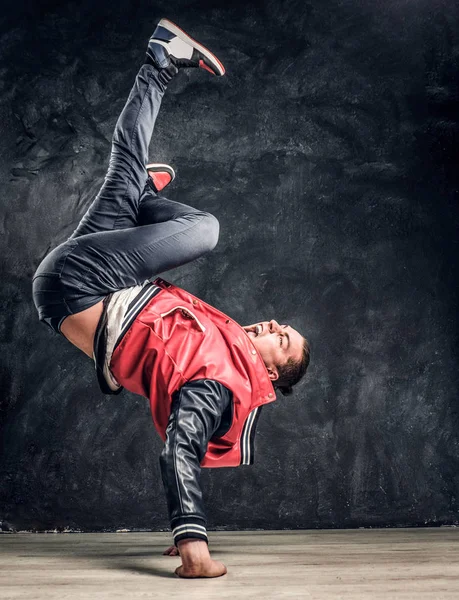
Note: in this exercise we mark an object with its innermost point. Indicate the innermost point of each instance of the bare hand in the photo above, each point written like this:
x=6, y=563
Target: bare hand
x=197, y=561
x=211, y=569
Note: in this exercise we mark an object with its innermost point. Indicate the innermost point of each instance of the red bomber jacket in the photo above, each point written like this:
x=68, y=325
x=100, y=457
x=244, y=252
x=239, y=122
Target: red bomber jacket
x=177, y=338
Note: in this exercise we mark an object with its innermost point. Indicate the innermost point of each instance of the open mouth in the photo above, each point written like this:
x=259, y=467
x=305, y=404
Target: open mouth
x=255, y=329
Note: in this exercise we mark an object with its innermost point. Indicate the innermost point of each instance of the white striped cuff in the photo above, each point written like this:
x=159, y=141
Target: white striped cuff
x=189, y=530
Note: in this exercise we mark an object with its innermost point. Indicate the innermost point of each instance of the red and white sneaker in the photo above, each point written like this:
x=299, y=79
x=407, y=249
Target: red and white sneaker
x=170, y=43
x=160, y=175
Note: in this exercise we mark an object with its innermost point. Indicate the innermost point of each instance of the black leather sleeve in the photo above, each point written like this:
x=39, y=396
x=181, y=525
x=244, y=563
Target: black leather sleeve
x=200, y=409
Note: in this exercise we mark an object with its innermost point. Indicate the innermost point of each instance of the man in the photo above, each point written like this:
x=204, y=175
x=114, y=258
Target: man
x=206, y=376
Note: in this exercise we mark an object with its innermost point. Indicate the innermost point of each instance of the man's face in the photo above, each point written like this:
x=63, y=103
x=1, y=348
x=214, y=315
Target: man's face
x=276, y=343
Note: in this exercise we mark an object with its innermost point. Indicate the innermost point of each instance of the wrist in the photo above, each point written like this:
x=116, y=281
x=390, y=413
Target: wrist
x=193, y=551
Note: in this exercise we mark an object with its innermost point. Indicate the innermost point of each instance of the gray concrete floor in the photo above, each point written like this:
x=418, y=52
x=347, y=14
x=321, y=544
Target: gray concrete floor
x=389, y=564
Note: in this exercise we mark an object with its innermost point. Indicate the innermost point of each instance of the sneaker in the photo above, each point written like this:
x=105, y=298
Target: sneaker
x=169, y=43
x=160, y=175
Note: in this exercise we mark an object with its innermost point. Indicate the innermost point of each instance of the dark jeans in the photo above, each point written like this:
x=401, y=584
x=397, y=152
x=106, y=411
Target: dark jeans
x=129, y=234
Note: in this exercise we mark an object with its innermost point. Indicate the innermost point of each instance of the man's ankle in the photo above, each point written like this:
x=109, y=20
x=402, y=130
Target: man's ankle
x=164, y=74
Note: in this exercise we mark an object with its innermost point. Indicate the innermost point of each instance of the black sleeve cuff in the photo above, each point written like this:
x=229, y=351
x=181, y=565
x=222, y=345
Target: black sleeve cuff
x=184, y=528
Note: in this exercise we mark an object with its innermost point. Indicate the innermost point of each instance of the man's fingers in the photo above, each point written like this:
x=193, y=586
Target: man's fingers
x=171, y=551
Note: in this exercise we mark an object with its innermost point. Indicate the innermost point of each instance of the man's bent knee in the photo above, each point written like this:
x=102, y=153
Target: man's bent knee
x=210, y=231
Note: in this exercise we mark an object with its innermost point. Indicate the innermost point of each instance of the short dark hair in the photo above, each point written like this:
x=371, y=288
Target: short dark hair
x=292, y=371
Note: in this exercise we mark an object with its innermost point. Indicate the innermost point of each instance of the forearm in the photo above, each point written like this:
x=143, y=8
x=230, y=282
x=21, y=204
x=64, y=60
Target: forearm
x=180, y=470
x=195, y=416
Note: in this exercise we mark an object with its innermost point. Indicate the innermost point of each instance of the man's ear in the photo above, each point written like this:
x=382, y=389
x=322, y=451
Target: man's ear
x=273, y=374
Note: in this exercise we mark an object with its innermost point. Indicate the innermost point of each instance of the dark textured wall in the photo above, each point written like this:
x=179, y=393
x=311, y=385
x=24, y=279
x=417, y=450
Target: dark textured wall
x=329, y=153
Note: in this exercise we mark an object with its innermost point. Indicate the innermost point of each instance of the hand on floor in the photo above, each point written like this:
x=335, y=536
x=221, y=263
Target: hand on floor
x=197, y=561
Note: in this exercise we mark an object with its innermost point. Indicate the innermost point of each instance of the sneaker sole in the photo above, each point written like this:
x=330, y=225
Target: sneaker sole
x=189, y=40
x=161, y=167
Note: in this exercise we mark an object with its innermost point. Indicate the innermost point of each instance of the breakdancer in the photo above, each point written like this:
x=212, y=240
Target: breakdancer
x=206, y=376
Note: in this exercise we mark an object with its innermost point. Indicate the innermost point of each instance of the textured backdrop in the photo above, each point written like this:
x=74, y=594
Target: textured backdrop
x=329, y=153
